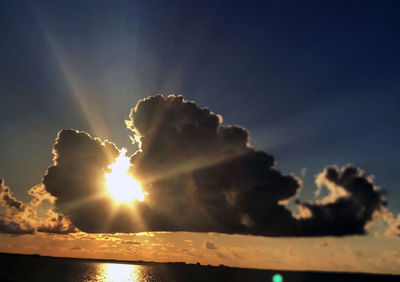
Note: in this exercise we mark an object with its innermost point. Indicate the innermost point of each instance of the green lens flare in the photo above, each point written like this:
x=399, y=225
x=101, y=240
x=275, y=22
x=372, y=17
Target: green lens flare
x=277, y=278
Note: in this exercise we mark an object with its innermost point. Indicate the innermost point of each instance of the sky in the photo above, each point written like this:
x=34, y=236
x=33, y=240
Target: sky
x=314, y=84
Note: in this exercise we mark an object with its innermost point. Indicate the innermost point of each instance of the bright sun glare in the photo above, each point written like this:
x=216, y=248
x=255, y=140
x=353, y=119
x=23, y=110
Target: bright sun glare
x=122, y=186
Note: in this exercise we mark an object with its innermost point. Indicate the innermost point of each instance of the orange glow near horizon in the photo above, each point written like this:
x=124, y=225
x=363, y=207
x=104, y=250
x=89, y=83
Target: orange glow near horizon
x=121, y=185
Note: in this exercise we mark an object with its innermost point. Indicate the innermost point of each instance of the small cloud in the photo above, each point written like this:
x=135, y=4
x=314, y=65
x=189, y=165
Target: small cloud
x=237, y=255
x=220, y=255
x=191, y=252
x=131, y=242
x=323, y=244
x=209, y=245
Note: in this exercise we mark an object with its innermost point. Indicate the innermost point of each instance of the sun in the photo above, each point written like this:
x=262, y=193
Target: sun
x=122, y=186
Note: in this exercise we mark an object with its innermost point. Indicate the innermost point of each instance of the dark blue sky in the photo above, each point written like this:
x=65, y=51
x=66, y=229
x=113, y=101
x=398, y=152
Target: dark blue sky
x=314, y=83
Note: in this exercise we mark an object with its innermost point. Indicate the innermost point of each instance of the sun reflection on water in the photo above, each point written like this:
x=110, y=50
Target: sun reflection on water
x=113, y=272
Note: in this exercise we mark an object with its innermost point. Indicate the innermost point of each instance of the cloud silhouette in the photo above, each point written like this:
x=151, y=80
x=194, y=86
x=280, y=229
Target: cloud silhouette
x=77, y=180
x=201, y=176
x=352, y=203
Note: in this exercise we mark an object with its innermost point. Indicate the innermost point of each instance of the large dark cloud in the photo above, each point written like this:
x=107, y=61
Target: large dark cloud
x=77, y=179
x=200, y=175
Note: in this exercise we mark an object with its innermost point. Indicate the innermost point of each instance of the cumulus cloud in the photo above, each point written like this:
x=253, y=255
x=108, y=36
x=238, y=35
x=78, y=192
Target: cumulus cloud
x=21, y=218
x=56, y=223
x=201, y=176
x=393, y=223
x=352, y=203
x=77, y=181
